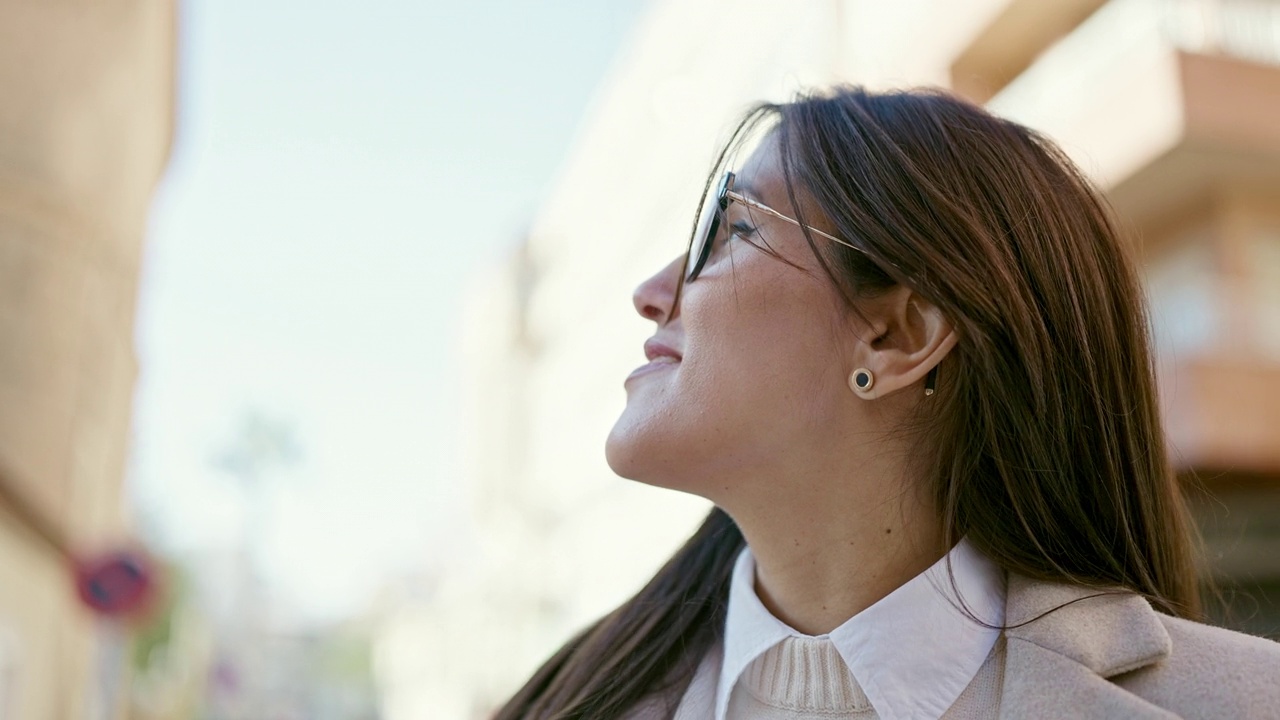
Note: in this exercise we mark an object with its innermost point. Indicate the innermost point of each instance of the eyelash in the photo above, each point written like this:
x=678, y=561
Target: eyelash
x=742, y=230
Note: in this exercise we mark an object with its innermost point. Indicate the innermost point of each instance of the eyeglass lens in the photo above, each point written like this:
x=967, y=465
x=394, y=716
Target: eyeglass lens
x=708, y=226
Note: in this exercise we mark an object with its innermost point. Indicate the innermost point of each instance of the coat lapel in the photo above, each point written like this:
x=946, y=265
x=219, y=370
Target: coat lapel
x=1059, y=664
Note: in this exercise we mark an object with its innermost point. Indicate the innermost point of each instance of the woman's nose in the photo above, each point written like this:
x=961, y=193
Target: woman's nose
x=655, y=298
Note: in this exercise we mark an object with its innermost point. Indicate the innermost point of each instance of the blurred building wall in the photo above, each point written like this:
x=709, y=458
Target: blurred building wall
x=85, y=127
x=1169, y=105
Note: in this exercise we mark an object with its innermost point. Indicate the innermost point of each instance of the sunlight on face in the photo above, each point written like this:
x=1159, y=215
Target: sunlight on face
x=749, y=372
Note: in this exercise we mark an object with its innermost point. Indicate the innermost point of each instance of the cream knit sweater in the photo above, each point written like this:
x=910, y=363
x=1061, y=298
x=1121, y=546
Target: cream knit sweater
x=804, y=678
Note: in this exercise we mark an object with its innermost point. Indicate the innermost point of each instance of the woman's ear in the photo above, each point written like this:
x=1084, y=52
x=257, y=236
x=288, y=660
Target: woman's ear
x=908, y=337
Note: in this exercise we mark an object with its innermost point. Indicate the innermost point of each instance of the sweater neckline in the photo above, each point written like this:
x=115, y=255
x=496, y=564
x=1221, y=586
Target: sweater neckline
x=804, y=674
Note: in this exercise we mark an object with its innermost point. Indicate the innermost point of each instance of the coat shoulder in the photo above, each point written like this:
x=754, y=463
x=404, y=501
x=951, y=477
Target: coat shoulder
x=1210, y=672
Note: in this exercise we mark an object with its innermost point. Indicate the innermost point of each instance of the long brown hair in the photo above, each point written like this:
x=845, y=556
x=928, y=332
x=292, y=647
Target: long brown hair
x=1047, y=450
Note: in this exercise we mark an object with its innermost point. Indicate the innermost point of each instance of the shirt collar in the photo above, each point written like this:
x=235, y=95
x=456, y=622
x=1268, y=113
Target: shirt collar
x=913, y=652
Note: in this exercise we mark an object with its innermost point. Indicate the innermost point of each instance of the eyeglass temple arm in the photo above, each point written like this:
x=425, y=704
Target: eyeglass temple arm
x=770, y=211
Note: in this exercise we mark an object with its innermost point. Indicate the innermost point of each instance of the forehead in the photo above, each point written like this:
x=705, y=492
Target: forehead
x=762, y=178
x=761, y=174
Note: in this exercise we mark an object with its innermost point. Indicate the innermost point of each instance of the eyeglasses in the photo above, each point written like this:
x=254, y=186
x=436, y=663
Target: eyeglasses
x=713, y=209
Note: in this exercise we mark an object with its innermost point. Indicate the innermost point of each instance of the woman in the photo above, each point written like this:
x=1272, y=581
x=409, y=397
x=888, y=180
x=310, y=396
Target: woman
x=907, y=358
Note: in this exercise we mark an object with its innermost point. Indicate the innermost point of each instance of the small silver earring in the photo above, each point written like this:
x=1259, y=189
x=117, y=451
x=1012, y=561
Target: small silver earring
x=861, y=380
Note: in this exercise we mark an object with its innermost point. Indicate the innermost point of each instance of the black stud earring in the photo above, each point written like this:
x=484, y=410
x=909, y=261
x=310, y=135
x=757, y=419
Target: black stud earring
x=930, y=381
x=861, y=380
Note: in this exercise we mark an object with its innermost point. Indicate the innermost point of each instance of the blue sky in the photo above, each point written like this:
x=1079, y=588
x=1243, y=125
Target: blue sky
x=340, y=172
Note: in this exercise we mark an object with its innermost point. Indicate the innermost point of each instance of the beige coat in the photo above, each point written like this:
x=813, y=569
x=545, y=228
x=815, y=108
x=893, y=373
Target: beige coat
x=1114, y=657
x=1107, y=657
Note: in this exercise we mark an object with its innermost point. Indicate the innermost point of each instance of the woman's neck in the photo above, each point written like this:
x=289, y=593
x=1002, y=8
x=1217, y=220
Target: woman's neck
x=823, y=557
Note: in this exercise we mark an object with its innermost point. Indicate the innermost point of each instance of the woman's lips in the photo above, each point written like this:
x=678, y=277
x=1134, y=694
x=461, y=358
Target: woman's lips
x=653, y=349
x=661, y=357
x=662, y=362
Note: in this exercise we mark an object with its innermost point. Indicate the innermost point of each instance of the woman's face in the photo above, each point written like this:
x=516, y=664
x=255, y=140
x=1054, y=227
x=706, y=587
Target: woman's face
x=748, y=375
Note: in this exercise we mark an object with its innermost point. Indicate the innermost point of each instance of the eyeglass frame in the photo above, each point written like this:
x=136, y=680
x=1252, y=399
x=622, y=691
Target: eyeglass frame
x=724, y=195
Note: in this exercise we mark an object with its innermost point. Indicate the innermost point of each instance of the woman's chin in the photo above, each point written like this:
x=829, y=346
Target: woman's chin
x=634, y=454
x=620, y=452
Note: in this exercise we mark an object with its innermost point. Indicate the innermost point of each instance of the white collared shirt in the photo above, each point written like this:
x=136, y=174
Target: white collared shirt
x=912, y=653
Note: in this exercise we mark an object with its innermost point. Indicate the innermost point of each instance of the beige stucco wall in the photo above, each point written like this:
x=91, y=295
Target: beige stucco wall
x=85, y=129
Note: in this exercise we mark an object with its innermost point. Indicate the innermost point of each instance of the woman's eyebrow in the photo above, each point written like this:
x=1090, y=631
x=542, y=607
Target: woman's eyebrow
x=743, y=187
